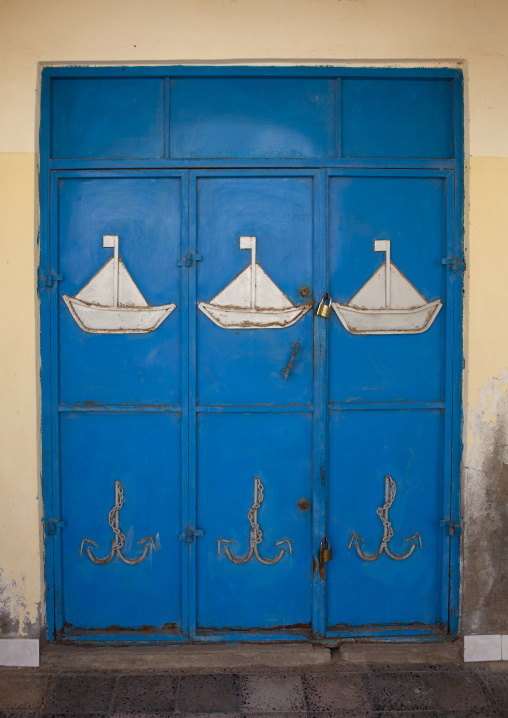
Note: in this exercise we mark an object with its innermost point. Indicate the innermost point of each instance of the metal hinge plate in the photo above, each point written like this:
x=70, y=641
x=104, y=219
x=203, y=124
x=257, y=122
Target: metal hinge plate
x=46, y=281
x=455, y=264
x=52, y=525
x=452, y=528
x=189, y=535
x=189, y=258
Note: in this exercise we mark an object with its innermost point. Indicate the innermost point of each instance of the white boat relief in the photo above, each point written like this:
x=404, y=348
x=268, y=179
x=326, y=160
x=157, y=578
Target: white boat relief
x=387, y=303
x=252, y=300
x=111, y=303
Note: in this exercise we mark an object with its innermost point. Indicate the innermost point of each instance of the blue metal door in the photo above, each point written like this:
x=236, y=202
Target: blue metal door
x=119, y=419
x=388, y=386
x=252, y=399
x=251, y=355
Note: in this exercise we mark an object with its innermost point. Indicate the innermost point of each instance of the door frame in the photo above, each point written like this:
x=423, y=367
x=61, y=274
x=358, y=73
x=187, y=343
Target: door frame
x=51, y=170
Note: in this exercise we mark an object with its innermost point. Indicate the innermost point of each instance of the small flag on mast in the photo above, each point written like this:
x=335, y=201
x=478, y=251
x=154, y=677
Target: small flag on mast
x=247, y=242
x=109, y=240
x=381, y=245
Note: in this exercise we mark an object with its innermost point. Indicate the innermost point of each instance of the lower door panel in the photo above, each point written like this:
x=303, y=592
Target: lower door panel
x=267, y=585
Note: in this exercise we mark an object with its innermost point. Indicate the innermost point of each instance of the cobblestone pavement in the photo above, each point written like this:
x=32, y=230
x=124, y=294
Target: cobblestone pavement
x=336, y=690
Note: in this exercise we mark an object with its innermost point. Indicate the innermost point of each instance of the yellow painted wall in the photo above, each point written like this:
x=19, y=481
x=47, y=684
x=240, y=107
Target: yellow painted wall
x=470, y=34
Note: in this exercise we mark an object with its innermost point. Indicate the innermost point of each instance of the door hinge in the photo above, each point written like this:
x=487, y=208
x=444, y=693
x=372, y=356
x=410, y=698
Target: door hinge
x=189, y=535
x=452, y=528
x=52, y=525
x=46, y=281
x=189, y=258
x=455, y=264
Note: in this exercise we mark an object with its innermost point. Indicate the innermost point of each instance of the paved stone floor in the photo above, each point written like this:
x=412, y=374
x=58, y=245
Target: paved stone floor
x=335, y=690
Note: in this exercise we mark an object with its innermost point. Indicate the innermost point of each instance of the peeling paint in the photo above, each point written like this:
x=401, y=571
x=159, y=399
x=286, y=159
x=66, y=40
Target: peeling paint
x=485, y=577
x=15, y=619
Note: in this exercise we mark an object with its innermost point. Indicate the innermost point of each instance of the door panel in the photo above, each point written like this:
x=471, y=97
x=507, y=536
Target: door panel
x=143, y=453
x=411, y=213
x=233, y=449
x=244, y=366
x=121, y=423
x=146, y=214
x=254, y=446
x=365, y=446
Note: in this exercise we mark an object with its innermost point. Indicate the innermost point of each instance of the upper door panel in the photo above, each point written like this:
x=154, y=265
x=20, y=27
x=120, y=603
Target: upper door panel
x=275, y=216
x=131, y=355
x=408, y=212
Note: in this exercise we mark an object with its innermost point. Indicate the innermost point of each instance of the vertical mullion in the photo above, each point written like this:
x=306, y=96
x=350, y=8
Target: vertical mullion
x=192, y=403
x=338, y=117
x=446, y=540
x=47, y=411
x=184, y=401
x=456, y=394
x=319, y=442
x=56, y=539
x=167, y=129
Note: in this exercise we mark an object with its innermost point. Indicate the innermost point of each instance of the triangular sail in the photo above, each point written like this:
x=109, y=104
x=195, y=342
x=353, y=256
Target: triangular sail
x=238, y=292
x=99, y=290
x=403, y=294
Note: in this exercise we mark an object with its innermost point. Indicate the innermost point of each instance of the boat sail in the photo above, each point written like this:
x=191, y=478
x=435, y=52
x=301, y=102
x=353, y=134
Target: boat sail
x=387, y=303
x=111, y=303
x=252, y=300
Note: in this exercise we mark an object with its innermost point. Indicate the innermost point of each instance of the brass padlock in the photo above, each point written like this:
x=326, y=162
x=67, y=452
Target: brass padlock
x=325, y=552
x=323, y=309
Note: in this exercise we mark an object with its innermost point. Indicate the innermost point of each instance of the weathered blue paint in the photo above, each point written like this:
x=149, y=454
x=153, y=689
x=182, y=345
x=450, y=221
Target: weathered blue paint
x=267, y=117
x=186, y=416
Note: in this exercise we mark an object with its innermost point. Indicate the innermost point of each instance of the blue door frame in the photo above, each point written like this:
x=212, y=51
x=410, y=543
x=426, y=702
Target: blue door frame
x=188, y=171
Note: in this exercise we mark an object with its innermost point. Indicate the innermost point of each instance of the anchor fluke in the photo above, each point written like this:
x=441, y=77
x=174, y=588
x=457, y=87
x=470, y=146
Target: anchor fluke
x=119, y=538
x=382, y=512
x=255, y=534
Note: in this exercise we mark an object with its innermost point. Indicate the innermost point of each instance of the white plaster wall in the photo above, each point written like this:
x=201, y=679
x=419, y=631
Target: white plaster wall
x=471, y=34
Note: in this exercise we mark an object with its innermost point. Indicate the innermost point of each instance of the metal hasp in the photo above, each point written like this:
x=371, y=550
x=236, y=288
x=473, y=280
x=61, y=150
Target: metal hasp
x=455, y=264
x=51, y=526
x=189, y=258
x=382, y=512
x=452, y=528
x=287, y=370
x=190, y=534
x=46, y=281
x=119, y=539
x=256, y=535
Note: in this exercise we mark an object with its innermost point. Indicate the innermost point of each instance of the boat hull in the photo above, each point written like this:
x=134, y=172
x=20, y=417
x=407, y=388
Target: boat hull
x=238, y=318
x=387, y=321
x=96, y=319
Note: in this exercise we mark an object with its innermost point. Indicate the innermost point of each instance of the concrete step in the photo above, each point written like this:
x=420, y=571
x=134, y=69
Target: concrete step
x=130, y=658
x=400, y=653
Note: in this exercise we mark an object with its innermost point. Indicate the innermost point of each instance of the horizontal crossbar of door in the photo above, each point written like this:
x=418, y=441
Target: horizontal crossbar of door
x=262, y=163
x=96, y=408
x=387, y=405
x=176, y=408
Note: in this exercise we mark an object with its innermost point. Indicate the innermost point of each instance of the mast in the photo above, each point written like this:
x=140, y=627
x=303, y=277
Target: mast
x=250, y=243
x=383, y=245
x=112, y=241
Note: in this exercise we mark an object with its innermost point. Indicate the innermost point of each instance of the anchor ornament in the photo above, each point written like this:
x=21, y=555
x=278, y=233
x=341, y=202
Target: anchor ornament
x=119, y=539
x=256, y=535
x=382, y=512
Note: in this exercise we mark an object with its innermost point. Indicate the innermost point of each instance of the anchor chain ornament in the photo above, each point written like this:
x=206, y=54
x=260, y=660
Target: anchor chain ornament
x=382, y=512
x=256, y=535
x=119, y=539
